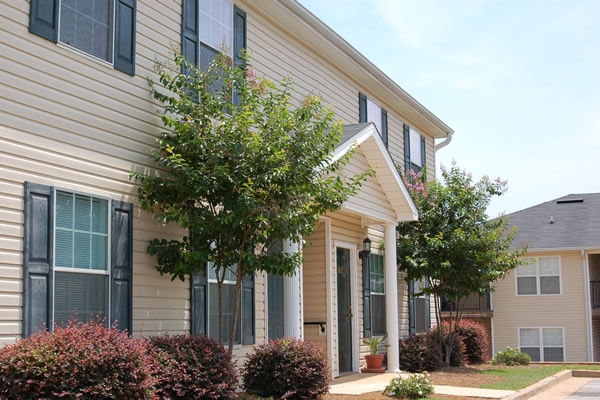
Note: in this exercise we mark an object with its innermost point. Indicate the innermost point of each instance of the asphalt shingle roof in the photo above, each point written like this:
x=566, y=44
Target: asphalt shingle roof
x=572, y=221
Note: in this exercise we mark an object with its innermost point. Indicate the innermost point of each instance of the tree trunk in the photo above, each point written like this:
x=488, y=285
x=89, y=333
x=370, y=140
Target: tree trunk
x=236, y=307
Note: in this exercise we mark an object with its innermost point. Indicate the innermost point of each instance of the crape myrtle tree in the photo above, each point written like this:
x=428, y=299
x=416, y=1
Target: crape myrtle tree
x=241, y=166
x=454, y=246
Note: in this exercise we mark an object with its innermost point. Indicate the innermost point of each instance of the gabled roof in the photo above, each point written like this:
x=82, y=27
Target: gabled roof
x=371, y=146
x=569, y=222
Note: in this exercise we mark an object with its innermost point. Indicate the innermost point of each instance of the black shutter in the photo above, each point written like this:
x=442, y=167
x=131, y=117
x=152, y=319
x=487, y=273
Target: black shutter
x=411, y=307
x=366, y=267
x=406, y=131
x=189, y=31
x=239, y=43
x=247, y=310
x=384, y=127
x=198, y=296
x=125, y=36
x=38, y=251
x=362, y=108
x=43, y=18
x=423, y=152
x=121, y=264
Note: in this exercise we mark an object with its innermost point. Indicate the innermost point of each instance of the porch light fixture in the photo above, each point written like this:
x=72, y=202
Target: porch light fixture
x=366, y=251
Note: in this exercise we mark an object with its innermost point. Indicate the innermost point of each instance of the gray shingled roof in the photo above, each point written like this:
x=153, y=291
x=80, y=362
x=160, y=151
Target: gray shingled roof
x=348, y=131
x=572, y=221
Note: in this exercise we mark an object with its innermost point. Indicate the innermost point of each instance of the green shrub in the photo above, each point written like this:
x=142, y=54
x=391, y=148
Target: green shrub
x=414, y=387
x=419, y=352
x=288, y=369
x=511, y=356
x=192, y=367
x=475, y=339
x=80, y=360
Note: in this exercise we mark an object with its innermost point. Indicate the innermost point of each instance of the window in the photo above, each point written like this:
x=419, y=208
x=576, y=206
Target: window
x=419, y=312
x=540, y=276
x=228, y=298
x=378, y=322
x=369, y=111
x=104, y=29
x=78, y=258
x=542, y=344
x=414, y=149
x=205, y=306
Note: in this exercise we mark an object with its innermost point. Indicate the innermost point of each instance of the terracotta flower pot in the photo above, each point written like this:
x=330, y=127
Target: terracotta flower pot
x=374, y=363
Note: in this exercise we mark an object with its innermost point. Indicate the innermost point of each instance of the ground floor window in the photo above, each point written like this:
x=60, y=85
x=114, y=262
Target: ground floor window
x=81, y=272
x=419, y=307
x=378, y=322
x=78, y=258
x=543, y=344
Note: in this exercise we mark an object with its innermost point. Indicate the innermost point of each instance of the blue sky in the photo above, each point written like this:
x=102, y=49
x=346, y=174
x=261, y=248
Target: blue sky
x=517, y=80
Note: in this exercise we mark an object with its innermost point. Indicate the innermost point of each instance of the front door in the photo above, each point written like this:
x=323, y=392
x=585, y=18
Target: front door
x=344, y=311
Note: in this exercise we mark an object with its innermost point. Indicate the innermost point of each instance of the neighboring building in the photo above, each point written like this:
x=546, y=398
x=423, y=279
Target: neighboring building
x=550, y=306
x=77, y=116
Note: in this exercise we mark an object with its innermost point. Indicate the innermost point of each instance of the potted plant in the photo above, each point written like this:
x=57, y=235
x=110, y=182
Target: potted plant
x=374, y=360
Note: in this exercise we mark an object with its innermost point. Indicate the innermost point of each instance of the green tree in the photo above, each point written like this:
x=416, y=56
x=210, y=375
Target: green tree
x=242, y=166
x=454, y=246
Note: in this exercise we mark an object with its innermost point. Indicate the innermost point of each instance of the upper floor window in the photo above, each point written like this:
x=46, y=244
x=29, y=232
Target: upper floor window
x=103, y=29
x=88, y=25
x=369, y=111
x=539, y=277
x=414, y=149
x=216, y=28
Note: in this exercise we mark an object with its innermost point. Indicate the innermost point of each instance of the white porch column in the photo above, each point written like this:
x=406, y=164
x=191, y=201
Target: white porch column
x=291, y=298
x=391, y=297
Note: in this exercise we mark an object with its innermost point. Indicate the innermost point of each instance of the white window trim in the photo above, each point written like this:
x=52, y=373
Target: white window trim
x=106, y=273
x=230, y=45
x=382, y=294
x=84, y=53
x=537, y=278
x=541, y=339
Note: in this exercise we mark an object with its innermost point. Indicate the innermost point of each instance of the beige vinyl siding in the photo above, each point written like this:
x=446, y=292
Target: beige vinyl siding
x=371, y=199
x=567, y=310
x=315, y=286
x=78, y=124
x=276, y=54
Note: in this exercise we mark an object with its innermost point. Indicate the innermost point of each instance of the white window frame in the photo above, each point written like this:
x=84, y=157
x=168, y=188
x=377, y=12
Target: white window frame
x=415, y=148
x=217, y=46
x=374, y=293
x=542, y=346
x=76, y=270
x=374, y=114
x=112, y=31
x=538, y=275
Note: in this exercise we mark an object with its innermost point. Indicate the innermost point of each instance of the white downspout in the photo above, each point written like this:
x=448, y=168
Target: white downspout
x=588, y=305
x=445, y=142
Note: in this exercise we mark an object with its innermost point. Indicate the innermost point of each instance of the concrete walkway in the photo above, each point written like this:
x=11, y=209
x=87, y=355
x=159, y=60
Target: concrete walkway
x=565, y=385
x=358, y=384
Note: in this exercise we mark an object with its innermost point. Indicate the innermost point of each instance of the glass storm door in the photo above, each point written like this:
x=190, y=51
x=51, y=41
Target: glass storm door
x=344, y=310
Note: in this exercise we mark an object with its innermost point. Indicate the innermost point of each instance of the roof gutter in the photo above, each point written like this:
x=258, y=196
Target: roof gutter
x=445, y=142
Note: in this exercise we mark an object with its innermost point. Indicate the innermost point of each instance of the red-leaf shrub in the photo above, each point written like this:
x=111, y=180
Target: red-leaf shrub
x=475, y=338
x=287, y=369
x=192, y=367
x=419, y=352
x=78, y=361
x=457, y=357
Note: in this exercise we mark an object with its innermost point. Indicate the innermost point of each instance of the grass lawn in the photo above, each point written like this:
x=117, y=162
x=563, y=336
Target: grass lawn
x=515, y=378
